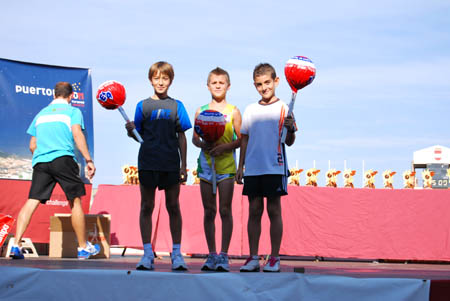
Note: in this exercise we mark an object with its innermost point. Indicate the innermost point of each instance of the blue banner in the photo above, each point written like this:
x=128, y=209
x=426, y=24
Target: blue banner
x=26, y=88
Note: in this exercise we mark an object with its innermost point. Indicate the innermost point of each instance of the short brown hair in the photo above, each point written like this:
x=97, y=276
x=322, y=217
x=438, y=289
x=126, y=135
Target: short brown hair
x=63, y=89
x=218, y=71
x=264, y=68
x=163, y=67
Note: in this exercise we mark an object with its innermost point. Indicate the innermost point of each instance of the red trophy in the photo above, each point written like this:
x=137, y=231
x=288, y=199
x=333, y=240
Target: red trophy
x=210, y=126
x=300, y=72
x=111, y=95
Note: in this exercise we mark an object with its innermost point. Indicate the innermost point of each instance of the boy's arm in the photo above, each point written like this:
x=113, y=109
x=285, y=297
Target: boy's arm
x=196, y=138
x=80, y=141
x=289, y=123
x=182, y=144
x=240, y=171
x=221, y=148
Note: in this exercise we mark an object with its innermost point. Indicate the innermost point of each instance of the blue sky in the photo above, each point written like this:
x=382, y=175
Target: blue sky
x=382, y=89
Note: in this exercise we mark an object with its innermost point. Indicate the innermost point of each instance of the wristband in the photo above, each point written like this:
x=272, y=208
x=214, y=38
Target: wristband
x=89, y=161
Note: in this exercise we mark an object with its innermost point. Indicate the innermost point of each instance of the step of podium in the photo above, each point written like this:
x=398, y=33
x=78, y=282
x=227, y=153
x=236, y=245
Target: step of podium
x=27, y=247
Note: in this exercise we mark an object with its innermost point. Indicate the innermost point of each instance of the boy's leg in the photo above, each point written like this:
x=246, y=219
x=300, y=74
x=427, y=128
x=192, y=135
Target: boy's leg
x=226, y=188
x=24, y=217
x=78, y=221
x=255, y=211
x=276, y=223
x=145, y=215
x=173, y=209
x=209, y=209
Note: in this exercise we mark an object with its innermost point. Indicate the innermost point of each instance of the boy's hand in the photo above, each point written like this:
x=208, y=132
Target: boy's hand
x=130, y=127
x=183, y=175
x=217, y=150
x=289, y=123
x=239, y=175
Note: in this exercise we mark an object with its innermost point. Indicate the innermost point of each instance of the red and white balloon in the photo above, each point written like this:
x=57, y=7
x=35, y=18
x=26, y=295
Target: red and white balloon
x=111, y=95
x=300, y=72
x=210, y=125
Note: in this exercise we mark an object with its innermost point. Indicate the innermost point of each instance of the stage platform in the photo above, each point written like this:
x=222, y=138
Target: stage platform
x=116, y=278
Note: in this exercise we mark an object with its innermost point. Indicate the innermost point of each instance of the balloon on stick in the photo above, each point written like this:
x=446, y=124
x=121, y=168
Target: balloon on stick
x=210, y=126
x=111, y=95
x=300, y=72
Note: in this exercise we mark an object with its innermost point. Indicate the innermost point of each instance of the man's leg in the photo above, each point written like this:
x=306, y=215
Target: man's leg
x=226, y=189
x=23, y=220
x=209, y=209
x=276, y=224
x=255, y=211
x=78, y=221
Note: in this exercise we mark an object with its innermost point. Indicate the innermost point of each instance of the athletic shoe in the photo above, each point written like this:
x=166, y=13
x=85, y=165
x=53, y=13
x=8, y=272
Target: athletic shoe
x=178, y=262
x=88, y=251
x=146, y=263
x=251, y=264
x=16, y=253
x=222, y=264
x=210, y=263
x=272, y=265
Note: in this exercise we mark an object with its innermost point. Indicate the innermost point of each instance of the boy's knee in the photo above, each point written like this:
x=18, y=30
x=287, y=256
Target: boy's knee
x=173, y=209
x=210, y=214
x=256, y=213
x=225, y=212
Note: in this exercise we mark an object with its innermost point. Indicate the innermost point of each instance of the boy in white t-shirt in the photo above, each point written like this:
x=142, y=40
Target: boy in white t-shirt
x=266, y=170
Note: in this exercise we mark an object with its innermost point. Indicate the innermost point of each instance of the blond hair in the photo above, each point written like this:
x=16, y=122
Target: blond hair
x=164, y=68
x=218, y=71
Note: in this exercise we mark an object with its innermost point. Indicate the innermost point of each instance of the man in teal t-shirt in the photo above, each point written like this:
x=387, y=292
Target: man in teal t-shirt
x=55, y=131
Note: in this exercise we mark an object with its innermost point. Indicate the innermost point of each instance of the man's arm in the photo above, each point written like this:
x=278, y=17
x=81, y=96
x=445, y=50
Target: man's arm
x=80, y=141
x=33, y=144
x=182, y=145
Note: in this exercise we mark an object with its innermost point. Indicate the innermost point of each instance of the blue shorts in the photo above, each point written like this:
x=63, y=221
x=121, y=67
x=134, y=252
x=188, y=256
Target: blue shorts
x=265, y=185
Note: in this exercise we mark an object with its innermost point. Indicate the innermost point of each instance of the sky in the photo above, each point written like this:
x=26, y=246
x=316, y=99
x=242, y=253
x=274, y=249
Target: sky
x=381, y=92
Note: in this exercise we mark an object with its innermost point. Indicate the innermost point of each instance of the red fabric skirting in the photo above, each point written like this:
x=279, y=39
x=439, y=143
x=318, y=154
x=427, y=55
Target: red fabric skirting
x=14, y=194
x=318, y=221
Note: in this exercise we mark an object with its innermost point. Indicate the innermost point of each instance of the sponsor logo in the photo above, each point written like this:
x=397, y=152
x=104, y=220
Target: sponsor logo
x=4, y=232
x=77, y=98
x=57, y=203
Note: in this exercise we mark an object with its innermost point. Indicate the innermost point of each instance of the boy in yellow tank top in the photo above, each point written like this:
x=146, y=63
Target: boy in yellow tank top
x=225, y=166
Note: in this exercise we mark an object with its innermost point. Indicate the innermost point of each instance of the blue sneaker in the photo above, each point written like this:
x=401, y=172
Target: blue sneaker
x=210, y=263
x=16, y=253
x=222, y=264
x=178, y=263
x=88, y=251
x=146, y=263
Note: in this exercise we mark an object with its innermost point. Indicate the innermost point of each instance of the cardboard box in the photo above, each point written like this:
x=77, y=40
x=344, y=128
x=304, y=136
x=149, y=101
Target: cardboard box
x=63, y=242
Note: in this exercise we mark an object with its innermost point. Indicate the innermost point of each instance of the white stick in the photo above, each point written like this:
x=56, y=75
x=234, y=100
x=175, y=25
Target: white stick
x=291, y=108
x=136, y=134
x=214, y=180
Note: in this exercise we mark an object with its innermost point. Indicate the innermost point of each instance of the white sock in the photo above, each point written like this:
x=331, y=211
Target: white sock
x=176, y=248
x=148, y=250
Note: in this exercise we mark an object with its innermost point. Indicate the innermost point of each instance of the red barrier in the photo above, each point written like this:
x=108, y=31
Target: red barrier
x=318, y=221
x=14, y=194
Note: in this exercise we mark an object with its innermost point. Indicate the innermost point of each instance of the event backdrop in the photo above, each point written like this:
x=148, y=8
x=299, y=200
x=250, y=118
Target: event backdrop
x=25, y=88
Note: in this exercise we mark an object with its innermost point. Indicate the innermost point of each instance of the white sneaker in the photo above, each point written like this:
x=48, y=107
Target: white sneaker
x=210, y=263
x=251, y=264
x=178, y=263
x=272, y=265
x=222, y=264
x=146, y=263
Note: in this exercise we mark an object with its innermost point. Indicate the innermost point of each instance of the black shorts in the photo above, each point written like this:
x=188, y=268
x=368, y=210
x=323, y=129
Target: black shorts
x=160, y=179
x=64, y=171
x=265, y=185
